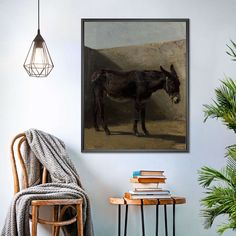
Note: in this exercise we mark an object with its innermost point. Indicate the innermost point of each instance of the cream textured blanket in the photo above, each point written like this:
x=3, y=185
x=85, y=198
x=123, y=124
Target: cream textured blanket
x=49, y=151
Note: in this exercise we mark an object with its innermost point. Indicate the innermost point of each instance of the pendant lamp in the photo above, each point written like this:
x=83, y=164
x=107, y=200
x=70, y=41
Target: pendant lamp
x=38, y=62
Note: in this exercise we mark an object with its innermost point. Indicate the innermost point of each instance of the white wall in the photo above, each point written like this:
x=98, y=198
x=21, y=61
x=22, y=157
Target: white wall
x=53, y=104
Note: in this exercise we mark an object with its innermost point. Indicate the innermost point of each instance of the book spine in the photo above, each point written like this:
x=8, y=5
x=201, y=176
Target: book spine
x=147, y=172
x=144, y=186
x=147, y=180
x=133, y=197
x=136, y=173
x=149, y=192
x=144, y=173
x=150, y=176
x=151, y=197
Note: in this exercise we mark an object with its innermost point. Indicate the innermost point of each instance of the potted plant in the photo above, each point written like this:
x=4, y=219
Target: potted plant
x=220, y=185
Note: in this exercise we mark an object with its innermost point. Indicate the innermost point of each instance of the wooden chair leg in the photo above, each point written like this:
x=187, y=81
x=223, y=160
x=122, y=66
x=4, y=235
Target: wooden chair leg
x=55, y=218
x=34, y=220
x=80, y=219
x=57, y=230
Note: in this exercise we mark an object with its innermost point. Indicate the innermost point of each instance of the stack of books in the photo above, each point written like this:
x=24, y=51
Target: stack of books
x=145, y=185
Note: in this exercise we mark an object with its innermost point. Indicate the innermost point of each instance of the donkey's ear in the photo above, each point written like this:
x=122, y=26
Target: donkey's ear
x=172, y=69
x=162, y=69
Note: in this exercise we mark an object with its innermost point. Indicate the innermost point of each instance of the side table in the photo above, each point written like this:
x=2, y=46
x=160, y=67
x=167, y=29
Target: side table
x=142, y=202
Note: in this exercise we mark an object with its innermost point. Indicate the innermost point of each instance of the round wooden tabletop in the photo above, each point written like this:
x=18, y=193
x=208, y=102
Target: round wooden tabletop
x=161, y=201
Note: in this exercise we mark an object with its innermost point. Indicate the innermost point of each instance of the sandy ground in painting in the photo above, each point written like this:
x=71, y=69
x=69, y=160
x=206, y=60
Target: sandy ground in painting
x=164, y=135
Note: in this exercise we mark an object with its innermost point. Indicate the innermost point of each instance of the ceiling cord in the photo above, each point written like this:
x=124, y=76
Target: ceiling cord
x=38, y=16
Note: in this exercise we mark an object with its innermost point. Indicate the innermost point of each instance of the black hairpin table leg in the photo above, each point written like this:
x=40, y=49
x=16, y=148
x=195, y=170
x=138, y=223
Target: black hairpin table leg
x=174, y=219
x=142, y=218
x=119, y=210
x=126, y=219
x=166, y=226
x=157, y=218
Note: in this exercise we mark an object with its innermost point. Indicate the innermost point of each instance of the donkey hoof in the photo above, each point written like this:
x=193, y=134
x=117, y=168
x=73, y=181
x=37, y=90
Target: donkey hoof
x=137, y=134
x=97, y=129
x=108, y=132
x=146, y=133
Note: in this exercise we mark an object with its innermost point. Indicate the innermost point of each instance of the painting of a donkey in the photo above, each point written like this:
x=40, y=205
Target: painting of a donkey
x=132, y=85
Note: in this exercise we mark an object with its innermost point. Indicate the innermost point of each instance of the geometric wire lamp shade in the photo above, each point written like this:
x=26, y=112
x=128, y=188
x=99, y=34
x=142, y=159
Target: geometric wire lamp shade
x=38, y=62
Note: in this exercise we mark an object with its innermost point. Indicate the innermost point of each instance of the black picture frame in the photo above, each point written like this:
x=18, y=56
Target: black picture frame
x=84, y=87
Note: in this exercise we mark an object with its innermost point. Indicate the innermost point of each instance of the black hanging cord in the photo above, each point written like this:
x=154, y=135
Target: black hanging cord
x=38, y=16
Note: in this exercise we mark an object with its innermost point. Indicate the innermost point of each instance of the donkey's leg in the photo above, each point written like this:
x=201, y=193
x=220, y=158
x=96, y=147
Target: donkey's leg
x=143, y=113
x=101, y=110
x=136, y=119
x=104, y=124
x=135, y=128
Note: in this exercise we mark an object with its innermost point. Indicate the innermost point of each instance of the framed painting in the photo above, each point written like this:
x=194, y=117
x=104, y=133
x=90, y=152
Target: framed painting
x=135, y=85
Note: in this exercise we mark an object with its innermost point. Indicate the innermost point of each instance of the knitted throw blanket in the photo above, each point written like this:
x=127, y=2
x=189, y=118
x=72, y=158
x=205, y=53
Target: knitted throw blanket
x=46, y=150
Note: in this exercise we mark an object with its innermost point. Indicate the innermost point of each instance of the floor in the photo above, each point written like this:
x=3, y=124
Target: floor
x=164, y=136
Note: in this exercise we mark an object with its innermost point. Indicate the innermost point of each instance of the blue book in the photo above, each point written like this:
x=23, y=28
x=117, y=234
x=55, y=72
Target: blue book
x=137, y=173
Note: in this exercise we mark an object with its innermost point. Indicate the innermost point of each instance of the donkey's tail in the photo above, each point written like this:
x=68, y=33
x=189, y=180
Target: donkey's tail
x=96, y=75
x=95, y=109
x=95, y=83
x=95, y=93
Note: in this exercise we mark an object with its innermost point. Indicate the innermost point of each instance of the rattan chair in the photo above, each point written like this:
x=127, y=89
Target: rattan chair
x=59, y=206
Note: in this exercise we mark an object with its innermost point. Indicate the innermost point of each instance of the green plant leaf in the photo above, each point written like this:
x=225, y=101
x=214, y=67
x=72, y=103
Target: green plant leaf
x=220, y=185
x=232, y=49
x=224, y=106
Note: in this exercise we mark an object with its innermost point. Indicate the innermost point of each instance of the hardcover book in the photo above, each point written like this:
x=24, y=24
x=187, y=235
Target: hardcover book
x=160, y=192
x=147, y=172
x=147, y=180
x=146, y=196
